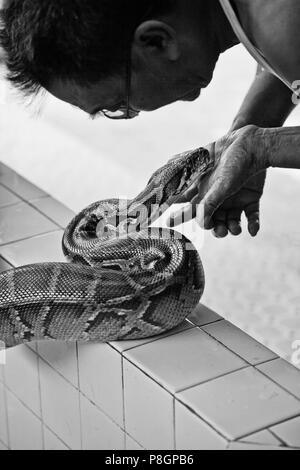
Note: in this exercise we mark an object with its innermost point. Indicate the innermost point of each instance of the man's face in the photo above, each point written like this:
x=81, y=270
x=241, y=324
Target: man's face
x=173, y=70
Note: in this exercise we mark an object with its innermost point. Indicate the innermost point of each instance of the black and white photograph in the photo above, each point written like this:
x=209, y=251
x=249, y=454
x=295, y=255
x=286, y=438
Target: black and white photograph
x=149, y=228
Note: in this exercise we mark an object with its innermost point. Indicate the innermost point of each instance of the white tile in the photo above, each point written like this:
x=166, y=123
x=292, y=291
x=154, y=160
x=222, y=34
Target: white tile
x=60, y=406
x=186, y=359
x=131, y=444
x=40, y=249
x=3, y=420
x=239, y=342
x=62, y=356
x=203, y=315
x=7, y=198
x=241, y=403
x=123, y=346
x=99, y=432
x=240, y=446
x=55, y=210
x=149, y=414
x=52, y=442
x=284, y=374
x=25, y=429
x=22, y=221
x=4, y=266
x=289, y=432
x=193, y=433
x=19, y=185
x=100, y=376
x=21, y=376
x=2, y=446
x=262, y=437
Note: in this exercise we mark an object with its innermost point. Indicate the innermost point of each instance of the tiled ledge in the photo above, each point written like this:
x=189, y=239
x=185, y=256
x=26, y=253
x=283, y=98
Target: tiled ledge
x=206, y=385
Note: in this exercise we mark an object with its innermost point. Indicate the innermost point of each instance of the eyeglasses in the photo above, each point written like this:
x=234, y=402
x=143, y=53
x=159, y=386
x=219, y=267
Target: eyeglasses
x=124, y=111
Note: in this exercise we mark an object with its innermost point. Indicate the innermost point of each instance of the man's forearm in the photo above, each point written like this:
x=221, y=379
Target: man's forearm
x=279, y=147
x=267, y=104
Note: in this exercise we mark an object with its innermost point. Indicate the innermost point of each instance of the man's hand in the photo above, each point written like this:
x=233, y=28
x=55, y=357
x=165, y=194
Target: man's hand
x=235, y=185
x=227, y=219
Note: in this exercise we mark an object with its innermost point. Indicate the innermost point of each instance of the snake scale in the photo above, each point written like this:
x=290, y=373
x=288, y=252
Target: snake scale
x=123, y=279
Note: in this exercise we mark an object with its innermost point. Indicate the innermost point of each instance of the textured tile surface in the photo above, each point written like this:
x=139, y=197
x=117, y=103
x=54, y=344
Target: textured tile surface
x=241, y=403
x=123, y=346
x=240, y=446
x=284, y=374
x=131, y=444
x=55, y=210
x=21, y=221
x=62, y=357
x=43, y=248
x=21, y=376
x=100, y=377
x=4, y=266
x=193, y=433
x=3, y=423
x=52, y=442
x=180, y=361
x=7, y=198
x=60, y=402
x=148, y=410
x=99, y=432
x=239, y=342
x=25, y=429
x=202, y=315
x=289, y=432
x=262, y=438
x=19, y=185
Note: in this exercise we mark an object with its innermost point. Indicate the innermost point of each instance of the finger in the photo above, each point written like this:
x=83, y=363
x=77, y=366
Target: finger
x=220, y=224
x=253, y=216
x=234, y=221
x=209, y=205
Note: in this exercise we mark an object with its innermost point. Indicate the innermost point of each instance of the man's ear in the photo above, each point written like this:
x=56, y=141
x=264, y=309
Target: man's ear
x=157, y=37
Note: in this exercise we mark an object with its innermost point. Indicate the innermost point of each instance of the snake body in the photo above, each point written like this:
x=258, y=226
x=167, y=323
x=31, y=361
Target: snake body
x=123, y=280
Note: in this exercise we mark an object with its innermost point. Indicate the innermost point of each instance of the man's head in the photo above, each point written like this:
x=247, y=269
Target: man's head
x=81, y=51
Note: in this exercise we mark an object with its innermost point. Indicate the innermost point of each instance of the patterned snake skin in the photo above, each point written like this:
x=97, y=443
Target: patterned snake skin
x=125, y=280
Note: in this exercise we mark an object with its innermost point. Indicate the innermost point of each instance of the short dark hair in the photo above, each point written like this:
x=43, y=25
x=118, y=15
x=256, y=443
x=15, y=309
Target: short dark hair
x=79, y=40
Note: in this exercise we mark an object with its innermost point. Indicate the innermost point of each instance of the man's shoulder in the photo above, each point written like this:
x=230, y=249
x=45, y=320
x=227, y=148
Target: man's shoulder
x=277, y=34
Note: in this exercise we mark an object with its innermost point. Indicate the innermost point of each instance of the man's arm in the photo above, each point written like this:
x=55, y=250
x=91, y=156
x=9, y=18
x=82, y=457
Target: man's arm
x=267, y=104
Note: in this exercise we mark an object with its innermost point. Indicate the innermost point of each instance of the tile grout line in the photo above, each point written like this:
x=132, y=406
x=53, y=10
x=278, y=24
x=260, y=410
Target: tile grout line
x=276, y=383
x=79, y=396
x=277, y=423
x=123, y=399
x=6, y=409
x=191, y=410
x=40, y=399
x=2, y=245
x=231, y=350
x=174, y=423
x=34, y=413
x=277, y=437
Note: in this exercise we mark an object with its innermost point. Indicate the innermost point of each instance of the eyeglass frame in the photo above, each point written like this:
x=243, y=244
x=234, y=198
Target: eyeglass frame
x=128, y=113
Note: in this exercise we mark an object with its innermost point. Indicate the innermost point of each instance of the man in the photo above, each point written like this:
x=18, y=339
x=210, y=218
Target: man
x=117, y=58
